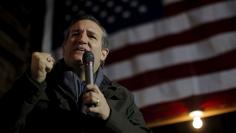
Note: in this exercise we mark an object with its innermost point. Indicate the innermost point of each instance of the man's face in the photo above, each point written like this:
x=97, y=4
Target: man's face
x=84, y=35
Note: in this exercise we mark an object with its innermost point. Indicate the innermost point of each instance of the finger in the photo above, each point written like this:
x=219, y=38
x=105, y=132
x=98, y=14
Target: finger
x=93, y=87
x=93, y=103
x=49, y=63
x=50, y=59
x=49, y=67
x=92, y=109
x=91, y=99
x=93, y=112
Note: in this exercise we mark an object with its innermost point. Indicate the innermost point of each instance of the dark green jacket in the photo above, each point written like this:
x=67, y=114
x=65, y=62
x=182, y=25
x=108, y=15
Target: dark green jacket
x=30, y=108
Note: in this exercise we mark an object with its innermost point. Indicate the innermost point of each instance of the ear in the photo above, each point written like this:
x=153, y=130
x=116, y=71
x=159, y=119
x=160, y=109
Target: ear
x=104, y=54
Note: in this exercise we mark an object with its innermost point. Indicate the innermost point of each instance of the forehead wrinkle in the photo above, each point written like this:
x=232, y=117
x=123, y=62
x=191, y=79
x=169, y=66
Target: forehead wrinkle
x=91, y=25
x=89, y=31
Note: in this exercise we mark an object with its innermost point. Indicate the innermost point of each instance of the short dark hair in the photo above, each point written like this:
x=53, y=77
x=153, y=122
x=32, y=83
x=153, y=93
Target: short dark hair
x=105, y=42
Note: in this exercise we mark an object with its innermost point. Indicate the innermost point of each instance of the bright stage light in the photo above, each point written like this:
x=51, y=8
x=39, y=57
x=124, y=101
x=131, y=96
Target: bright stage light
x=197, y=121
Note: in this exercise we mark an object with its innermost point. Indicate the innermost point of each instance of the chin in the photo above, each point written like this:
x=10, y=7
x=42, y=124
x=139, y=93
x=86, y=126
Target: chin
x=77, y=57
x=76, y=60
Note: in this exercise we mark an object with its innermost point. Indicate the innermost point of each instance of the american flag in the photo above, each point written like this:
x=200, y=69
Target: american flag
x=174, y=55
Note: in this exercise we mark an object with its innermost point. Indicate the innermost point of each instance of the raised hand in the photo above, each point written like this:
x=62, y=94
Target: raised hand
x=41, y=64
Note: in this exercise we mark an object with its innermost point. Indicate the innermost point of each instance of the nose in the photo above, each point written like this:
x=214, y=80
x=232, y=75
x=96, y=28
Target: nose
x=83, y=39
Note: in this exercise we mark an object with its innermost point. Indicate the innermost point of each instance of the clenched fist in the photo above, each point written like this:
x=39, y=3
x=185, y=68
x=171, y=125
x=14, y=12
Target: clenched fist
x=41, y=64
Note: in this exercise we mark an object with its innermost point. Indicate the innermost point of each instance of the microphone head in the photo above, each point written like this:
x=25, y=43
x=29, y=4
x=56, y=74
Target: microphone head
x=88, y=57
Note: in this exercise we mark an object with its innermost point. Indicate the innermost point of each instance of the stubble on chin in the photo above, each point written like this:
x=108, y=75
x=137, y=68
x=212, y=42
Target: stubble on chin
x=77, y=65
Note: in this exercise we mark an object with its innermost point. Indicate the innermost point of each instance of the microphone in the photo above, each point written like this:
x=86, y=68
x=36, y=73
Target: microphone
x=88, y=61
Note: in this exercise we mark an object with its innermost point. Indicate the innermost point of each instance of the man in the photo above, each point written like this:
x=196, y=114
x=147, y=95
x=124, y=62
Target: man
x=52, y=97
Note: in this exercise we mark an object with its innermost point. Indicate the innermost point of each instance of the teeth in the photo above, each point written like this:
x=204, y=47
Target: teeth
x=81, y=49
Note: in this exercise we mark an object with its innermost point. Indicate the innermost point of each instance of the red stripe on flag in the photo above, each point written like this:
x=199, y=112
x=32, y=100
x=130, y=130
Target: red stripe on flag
x=195, y=34
x=168, y=110
x=158, y=76
x=186, y=5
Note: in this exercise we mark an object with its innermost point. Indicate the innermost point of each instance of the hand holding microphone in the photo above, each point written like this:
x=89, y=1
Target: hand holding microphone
x=93, y=98
x=88, y=61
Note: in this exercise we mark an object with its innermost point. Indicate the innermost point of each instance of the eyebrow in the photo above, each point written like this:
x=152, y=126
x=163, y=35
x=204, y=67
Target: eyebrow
x=88, y=31
x=92, y=33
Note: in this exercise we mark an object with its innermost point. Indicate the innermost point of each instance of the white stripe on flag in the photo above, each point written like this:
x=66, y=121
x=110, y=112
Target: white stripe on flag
x=186, y=87
x=211, y=47
x=173, y=24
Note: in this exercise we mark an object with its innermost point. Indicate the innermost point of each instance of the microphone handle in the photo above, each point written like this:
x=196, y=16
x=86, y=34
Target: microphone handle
x=89, y=72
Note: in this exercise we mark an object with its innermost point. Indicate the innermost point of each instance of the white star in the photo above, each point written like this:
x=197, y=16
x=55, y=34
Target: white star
x=81, y=12
x=111, y=19
x=75, y=8
x=110, y=4
x=142, y=9
x=103, y=14
x=118, y=9
x=126, y=14
x=88, y=3
x=95, y=8
x=134, y=3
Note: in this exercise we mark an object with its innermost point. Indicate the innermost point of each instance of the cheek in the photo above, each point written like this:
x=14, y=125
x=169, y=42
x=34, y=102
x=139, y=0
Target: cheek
x=97, y=56
x=65, y=50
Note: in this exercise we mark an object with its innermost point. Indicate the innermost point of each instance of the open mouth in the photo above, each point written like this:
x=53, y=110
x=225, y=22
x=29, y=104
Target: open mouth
x=80, y=49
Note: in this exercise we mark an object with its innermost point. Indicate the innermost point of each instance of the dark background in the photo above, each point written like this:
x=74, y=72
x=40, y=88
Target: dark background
x=21, y=33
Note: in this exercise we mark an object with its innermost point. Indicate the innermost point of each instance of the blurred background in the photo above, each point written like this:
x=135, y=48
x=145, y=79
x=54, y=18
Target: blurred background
x=176, y=56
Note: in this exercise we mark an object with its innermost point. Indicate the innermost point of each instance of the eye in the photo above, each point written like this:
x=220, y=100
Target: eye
x=92, y=36
x=75, y=33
